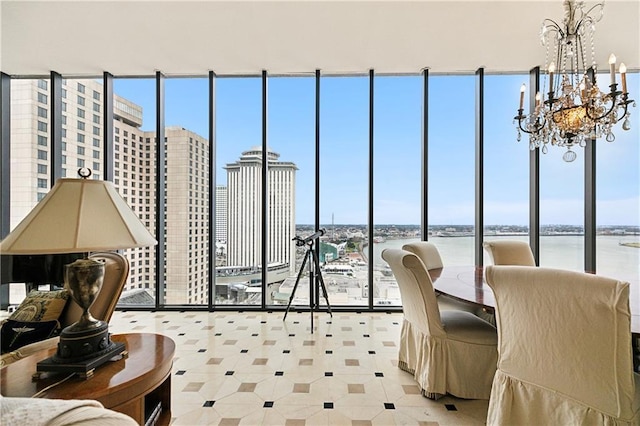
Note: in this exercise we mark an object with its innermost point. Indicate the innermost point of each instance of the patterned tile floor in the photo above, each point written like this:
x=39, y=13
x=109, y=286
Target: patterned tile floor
x=251, y=368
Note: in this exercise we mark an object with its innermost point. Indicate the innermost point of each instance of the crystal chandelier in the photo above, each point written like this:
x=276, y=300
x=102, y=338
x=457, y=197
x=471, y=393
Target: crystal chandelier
x=576, y=110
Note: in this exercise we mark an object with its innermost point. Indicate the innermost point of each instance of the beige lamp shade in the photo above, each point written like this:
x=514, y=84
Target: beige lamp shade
x=78, y=215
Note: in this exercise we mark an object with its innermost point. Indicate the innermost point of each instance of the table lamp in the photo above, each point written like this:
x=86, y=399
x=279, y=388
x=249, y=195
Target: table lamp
x=80, y=215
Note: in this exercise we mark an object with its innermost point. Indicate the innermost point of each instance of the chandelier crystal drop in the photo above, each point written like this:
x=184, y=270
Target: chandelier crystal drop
x=576, y=110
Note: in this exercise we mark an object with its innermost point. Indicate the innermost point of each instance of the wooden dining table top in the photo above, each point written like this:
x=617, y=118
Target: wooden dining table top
x=466, y=283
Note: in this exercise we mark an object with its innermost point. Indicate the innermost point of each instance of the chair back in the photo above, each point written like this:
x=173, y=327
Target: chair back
x=115, y=276
x=568, y=332
x=416, y=290
x=510, y=252
x=427, y=252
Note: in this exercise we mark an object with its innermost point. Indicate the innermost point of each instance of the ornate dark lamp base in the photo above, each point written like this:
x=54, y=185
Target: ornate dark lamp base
x=86, y=344
x=81, y=351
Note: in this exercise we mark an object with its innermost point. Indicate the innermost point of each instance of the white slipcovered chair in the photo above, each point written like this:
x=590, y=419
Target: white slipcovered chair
x=564, y=344
x=447, y=352
x=430, y=256
x=427, y=252
x=509, y=252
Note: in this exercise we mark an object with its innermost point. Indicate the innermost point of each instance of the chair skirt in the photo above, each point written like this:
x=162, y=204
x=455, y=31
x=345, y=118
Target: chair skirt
x=441, y=365
x=516, y=402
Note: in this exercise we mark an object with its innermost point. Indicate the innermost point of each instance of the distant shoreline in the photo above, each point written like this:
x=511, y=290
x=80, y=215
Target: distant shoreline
x=636, y=244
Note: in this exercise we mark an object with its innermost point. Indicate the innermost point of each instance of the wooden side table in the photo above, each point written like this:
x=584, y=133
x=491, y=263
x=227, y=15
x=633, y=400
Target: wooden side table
x=139, y=386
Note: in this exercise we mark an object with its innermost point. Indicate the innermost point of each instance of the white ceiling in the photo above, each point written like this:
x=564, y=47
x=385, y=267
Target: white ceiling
x=88, y=37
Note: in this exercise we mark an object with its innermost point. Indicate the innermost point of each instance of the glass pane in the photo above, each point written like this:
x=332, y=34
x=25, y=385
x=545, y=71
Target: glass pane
x=291, y=135
x=187, y=191
x=561, y=210
x=344, y=189
x=618, y=199
x=30, y=146
x=506, y=164
x=29, y=176
x=82, y=137
x=134, y=173
x=397, y=174
x=239, y=174
x=451, y=189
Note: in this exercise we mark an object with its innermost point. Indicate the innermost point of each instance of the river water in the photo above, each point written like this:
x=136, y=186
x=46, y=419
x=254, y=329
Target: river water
x=562, y=252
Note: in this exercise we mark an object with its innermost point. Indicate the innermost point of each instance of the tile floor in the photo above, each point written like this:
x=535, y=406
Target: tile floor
x=251, y=368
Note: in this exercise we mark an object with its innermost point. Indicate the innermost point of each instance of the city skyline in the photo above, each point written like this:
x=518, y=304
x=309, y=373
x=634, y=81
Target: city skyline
x=187, y=204
x=397, y=129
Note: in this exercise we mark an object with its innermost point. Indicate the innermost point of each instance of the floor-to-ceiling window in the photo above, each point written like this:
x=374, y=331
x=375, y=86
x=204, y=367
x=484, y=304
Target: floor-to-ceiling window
x=618, y=199
x=344, y=188
x=30, y=161
x=397, y=175
x=452, y=167
x=187, y=191
x=30, y=145
x=239, y=176
x=134, y=147
x=291, y=189
x=562, y=205
x=506, y=164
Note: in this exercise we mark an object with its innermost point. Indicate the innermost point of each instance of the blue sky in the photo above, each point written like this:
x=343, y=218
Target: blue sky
x=344, y=134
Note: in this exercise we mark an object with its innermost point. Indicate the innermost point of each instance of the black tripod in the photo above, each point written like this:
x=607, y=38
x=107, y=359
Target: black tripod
x=314, y=269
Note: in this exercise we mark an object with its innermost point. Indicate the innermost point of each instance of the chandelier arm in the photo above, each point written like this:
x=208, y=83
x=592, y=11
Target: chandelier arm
x=588, y=12
x=624, y=105
x=552, y=26
x=536, y=127
x=551, y=23
x=613, y=95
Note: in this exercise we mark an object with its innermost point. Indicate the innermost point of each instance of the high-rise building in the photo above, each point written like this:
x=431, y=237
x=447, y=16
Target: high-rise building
x=187, y=189
x=134, y=177
x=244, y=197
x=221, y=213
x=82, y=144
x=187, y=215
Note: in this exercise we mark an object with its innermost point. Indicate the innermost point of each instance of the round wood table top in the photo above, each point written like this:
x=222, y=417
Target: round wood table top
x=149, y=361
x=466, y=283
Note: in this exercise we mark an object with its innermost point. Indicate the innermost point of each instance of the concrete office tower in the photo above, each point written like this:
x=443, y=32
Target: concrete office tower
x=30, y=137
x=187, y=227
x=244, y=192
x=134, y=177
x=221, y=213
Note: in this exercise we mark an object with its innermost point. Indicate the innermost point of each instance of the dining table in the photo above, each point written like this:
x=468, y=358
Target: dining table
x=467, y=284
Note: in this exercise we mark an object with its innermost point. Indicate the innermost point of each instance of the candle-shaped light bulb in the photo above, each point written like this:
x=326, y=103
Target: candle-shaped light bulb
x=612, y=68
x=522, y=90
x=583, y=87
x=552, y=69
x=538, y=98
x=623, y=76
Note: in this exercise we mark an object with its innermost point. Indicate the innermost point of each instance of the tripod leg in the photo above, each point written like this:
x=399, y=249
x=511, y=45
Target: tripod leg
x=312, y=296
x=293, y=292
x=324, y=293
x=322, y=286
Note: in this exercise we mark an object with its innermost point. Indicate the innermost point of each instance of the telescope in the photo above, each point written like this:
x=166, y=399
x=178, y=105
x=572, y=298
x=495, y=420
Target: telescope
x=302, y=241
x=314, y=271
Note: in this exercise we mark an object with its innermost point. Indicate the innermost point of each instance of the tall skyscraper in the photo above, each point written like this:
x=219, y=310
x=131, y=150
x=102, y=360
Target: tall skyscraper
x=134, y=177
x=221, y=213
x=186, y=202
x=187, y=215
x=244, y=197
